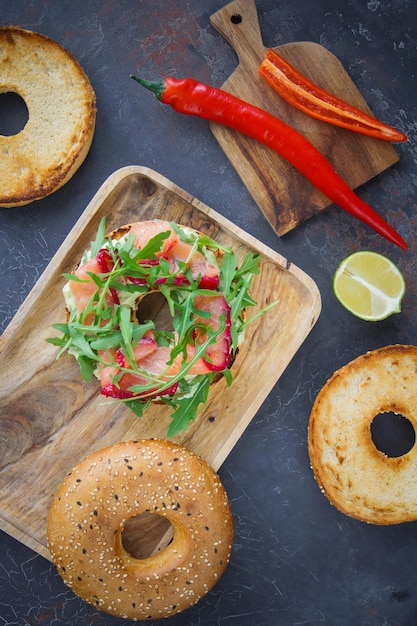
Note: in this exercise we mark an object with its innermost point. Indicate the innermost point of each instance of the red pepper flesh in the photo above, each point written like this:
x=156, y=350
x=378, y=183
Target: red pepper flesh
x=302, y=93
x=194, y=98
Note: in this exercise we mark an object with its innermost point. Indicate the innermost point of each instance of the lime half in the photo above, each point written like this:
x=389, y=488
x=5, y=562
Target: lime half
x=369, y=285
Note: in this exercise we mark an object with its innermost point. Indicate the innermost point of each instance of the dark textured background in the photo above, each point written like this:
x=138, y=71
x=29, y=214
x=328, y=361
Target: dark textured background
x=296, y=560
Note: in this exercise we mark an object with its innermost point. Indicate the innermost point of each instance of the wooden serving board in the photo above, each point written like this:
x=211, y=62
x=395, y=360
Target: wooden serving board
x=50, y=418
x=286, y=197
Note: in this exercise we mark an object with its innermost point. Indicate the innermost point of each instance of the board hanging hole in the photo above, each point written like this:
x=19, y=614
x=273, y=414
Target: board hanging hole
x=236, y=18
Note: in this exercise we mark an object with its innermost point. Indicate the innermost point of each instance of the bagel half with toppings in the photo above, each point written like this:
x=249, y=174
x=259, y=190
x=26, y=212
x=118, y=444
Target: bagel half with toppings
x=114, y=328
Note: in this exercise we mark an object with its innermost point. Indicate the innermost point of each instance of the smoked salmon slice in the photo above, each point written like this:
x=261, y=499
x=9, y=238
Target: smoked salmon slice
x=116, y=382
x=217, y=354
x=182, y=254
x=145, y=231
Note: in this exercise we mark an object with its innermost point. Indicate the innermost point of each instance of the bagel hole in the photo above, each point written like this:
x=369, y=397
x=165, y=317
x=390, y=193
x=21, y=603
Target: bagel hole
x=392, y=434
x=14, y=113
x=146, y=534
x=153, y=306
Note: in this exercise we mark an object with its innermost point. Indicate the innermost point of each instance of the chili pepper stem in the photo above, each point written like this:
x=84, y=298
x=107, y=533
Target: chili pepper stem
x=156, y=86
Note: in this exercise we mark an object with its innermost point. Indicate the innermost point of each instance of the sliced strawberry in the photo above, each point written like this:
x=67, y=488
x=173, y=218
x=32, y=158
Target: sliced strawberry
x=217, y=354
x=114, y=295
x=141, y=280
x=104, y=261
x=110, y=390
x=209, y=282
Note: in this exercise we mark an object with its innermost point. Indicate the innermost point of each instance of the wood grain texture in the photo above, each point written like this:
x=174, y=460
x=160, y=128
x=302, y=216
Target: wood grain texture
x=50, y=418
x=286, y=197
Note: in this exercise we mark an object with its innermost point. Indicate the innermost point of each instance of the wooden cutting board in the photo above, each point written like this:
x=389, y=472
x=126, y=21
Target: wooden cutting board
x=285, y=197
x=50, y=418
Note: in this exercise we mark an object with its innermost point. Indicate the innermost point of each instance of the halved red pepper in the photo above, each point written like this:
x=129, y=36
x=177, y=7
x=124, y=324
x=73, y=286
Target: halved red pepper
x=194, y=98
x=302, y=93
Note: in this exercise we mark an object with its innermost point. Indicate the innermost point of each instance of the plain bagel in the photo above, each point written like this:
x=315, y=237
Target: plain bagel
x=354, y=475
x=61, y=105
x=111, y=486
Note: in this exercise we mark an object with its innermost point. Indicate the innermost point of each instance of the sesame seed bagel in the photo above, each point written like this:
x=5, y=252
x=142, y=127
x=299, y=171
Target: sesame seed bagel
x=111, y=486
x=61, y=104
x=356, y=477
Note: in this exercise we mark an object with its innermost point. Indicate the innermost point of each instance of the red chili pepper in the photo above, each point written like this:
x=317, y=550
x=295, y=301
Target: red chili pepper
x=194, y=98
x=301, y=92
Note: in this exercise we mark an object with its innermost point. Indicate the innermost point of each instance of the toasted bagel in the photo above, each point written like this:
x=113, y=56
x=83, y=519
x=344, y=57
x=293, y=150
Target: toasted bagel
x=61, y=104
x=356, y=477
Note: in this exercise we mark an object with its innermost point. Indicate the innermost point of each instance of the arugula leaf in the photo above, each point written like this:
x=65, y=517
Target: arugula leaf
x=57, y=341
x=99, y=241
x=126, y=330
x=250, y=265
x=113, y=338
x=228, y=376
x=62, y=328
x=227, y=272
x=87, y=367
x=138, y=406
x=186, y=408
x=78, y=340
x=183, y=321
x=153, y=246
x=203, y=241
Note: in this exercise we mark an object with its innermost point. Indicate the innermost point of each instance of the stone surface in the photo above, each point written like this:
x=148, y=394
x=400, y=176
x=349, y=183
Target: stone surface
x=296, y=560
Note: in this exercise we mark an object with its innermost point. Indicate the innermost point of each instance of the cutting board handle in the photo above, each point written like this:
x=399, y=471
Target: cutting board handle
x=238, y=23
